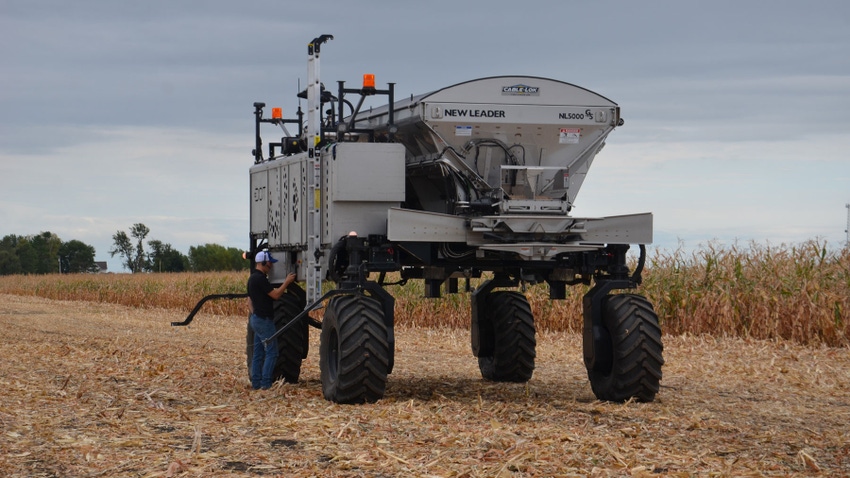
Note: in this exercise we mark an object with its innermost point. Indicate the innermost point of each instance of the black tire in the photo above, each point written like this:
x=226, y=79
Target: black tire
x=633, y=369
x=513, y=338
x=292, y=345
x=354, y=353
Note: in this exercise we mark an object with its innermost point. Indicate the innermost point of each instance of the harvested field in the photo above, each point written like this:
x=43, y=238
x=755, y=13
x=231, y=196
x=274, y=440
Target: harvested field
x=92, y=389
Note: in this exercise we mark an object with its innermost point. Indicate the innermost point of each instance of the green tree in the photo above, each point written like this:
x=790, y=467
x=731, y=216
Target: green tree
x=209, y=257
x=164, y=258
x=10, y=263
x=139, y=232
x=76, y=257
x=46, y=246
x=214, y=257
x=37, y=254
x=135, y=258
x=44, y=253
x=237, y=262
x=122, y=246
x=27, y=256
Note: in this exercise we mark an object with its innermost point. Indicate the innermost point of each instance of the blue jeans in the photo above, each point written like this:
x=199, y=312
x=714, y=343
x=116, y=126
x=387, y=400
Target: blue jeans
x=265, y=356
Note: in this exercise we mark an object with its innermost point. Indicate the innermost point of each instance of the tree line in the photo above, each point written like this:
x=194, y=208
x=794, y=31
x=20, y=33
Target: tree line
x=46, y=253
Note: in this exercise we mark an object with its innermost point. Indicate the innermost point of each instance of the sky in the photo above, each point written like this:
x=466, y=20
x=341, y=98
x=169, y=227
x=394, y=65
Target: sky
x=737, y=113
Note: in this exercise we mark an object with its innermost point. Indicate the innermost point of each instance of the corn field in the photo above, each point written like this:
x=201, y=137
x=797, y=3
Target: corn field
x=796, y=292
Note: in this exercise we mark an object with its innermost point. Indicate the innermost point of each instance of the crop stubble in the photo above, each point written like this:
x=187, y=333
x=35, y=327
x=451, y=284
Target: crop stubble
x=92, y=389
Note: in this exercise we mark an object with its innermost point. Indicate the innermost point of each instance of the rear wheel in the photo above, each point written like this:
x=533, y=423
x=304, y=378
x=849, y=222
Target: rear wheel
x=354, y=353
x=631, y=367
x=292, y=345
x=513, y=347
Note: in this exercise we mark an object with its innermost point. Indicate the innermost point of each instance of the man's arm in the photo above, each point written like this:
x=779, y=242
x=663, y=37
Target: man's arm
x=276, y=293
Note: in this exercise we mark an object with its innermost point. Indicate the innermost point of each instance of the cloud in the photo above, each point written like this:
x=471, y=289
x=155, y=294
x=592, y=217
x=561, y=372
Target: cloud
x=190, y=187
x=113, y=113
x=785, y=191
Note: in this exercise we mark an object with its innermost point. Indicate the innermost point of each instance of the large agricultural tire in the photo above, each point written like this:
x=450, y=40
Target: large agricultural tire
x=354, y=352
x=513, y=344
x=292, y=345
x=633, y=340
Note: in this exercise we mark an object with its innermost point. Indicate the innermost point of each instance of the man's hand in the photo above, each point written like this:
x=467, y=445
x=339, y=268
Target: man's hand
x=276, y=293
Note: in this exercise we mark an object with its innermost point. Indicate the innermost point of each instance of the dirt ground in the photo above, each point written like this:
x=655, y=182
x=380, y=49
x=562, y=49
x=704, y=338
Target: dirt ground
x=90, y=389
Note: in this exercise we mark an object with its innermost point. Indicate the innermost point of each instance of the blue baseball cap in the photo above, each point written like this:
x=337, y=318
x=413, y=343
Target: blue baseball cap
x=264, y=256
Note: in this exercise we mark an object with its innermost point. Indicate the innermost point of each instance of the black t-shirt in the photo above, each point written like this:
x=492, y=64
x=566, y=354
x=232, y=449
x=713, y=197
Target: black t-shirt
x=258, y=290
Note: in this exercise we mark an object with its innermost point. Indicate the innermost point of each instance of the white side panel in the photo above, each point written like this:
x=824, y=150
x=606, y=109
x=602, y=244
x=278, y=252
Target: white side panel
x=259, y=201
x=361, y=182
x=275, y=205
x=302, y=200
x=367, y=172
x=285, y=213
x=276, y=276
x=296, y=203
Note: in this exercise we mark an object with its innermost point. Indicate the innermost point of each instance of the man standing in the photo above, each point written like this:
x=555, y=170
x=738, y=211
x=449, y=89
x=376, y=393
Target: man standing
x=261, y=297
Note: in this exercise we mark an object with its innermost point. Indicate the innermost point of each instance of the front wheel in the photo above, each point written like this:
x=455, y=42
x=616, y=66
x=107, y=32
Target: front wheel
x=354, y=352
x=631, y=343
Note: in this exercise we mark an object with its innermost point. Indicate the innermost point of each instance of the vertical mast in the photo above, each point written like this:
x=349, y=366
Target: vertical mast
x=314, y=173
x=847, y=243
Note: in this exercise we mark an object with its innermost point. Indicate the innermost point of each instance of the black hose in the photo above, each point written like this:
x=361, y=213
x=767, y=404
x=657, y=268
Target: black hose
x=636, y=277
x=335, y=261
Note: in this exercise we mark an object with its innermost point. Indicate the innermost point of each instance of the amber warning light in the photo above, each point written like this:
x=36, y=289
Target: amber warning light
x=369, y=81
x=277, y=113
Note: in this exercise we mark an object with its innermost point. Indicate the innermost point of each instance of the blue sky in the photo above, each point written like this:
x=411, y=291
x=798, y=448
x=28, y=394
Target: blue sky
x=113, y=113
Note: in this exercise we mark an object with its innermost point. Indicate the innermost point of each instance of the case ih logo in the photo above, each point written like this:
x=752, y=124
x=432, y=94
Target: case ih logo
x=520, y=90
